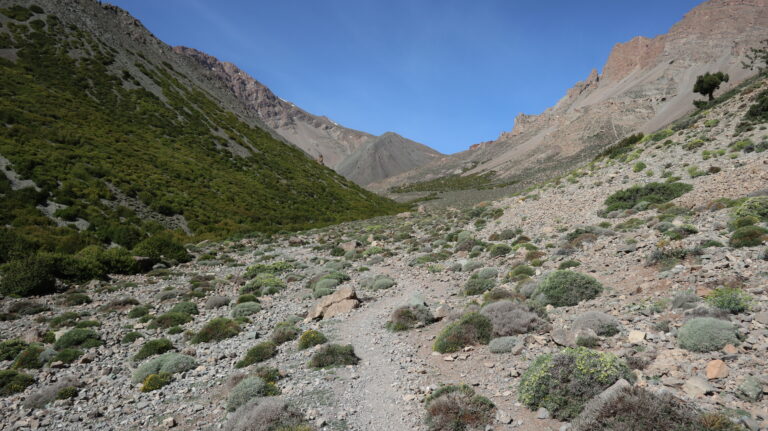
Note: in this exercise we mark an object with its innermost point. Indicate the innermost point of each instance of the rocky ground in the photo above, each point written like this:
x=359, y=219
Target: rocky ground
x=397, y=370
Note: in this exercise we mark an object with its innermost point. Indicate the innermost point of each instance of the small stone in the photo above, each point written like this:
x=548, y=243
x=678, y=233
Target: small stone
x=169, y=422
x=730, y=349
x=636, y=337
x=697, y=386
x=542, y=413
x=503, y=416
x=716, y=369
x=762, y=317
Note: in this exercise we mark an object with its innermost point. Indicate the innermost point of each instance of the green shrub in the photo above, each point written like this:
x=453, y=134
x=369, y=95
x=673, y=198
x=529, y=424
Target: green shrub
x=472, y=328
x=245, y=309
x=248, y=389
x=162, y=246
x=138, y=311
x=258, y=353
x=569, y=264
x=311, y=338
x=248, y=297
x=170, y=319
x=748, y=236
x=263, y=284
x=730, y=299
x=476, y=286
x=217, y=329
x=29, y=358
x=563, y=288
x=706, y=334
x=29, y=276
x=12, y=381
x=284, y=332
x=77, y=298
x=410, y=316
x=458, y=408
x=169, y=362
x=154, y=347
x=564, y=382
x=9, y=349
x=503, y=344
x=654, y=193
x=635, y=408
x=67, y=356
x=67, y=392
x=638, y=167
x=334, y=355
x=185, y=307
x=154, y=382
x=499, y=250
x=78, y=337
x=754, y=206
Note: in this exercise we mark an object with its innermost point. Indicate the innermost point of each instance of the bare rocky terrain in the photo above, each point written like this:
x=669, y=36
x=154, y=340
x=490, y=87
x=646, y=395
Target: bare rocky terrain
x=660, y=266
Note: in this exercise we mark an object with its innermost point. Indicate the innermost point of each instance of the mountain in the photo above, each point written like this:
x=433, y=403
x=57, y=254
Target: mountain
x=645, y=84
x=120, y=132
x=358, y=156
x=385, y=156
x=317, y=136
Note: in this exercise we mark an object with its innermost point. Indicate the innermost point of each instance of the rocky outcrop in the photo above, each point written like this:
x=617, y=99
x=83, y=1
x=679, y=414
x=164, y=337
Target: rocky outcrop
x=342, y=301
x=645, y=84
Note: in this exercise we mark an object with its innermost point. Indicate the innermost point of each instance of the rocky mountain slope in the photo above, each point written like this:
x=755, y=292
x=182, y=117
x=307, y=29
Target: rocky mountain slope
x=120, y=132
x=358, y=156
x=640, y=274
x=644, y=85
x=316, y=135
x=385, y=156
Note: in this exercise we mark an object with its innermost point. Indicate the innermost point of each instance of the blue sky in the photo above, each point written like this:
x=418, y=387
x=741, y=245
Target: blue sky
x=447, y=73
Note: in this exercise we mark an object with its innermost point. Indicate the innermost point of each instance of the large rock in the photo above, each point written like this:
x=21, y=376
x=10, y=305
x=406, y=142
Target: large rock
x=716, y=369
x=696, y=387
x=342, y=301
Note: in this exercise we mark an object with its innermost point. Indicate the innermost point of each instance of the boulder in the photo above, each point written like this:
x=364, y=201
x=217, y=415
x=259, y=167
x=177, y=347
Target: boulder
x=339, y=302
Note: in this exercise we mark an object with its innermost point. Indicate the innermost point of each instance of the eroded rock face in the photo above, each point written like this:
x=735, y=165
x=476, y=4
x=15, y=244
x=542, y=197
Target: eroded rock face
x=645, y=84
x=342, y=301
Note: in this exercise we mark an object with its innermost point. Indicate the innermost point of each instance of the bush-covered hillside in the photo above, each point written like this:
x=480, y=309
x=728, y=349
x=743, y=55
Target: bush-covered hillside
x=93, y=139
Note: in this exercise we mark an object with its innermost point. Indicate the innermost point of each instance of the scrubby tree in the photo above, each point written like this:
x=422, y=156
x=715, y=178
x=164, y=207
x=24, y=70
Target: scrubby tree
x=708, y=83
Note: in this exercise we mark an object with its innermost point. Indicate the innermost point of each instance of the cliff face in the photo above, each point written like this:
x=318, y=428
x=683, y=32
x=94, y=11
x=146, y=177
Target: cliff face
x=645, y=84
x=316, y=135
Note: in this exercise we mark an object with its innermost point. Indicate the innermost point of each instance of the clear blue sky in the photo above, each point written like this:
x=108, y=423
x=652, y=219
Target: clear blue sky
x=447, y=73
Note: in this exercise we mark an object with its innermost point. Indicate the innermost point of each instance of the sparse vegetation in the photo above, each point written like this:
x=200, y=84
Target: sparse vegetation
x=334, y=355
x=457, y=408
x=706, y=334
x=217, y=329
x=472, y=328
x=258, y=353
x=564, y=382
x=311, y=338
x=564, y=288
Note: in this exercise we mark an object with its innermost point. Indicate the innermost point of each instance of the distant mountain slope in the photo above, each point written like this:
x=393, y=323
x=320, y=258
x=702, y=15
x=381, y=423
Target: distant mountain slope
x=316, y=135
x=645, y=84
x=385, y=156
x=111, y=123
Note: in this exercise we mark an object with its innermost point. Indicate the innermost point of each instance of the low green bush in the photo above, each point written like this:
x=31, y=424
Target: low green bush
x=154, y=382
x=730, y=299
x=653, y=193
x=67, y=356
x=217, y=329
x=29, y=358
x=472, y=328
x=12, y=382
x=458, y=408
x=245, y=309
x=185, y=307
x=409, y=316
x=706, y=334
x=562, y=288
x=27, y=277
x=169, y=362
x=162, y=246
x=248, y=389
x=258, y=353
x=311, y=338
x=169, y=319
x=284, y=332
x=9, y=349
x=154, y=347
x=78, y=338
x=564, y=382
x=748, y=236
x=334, y=355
